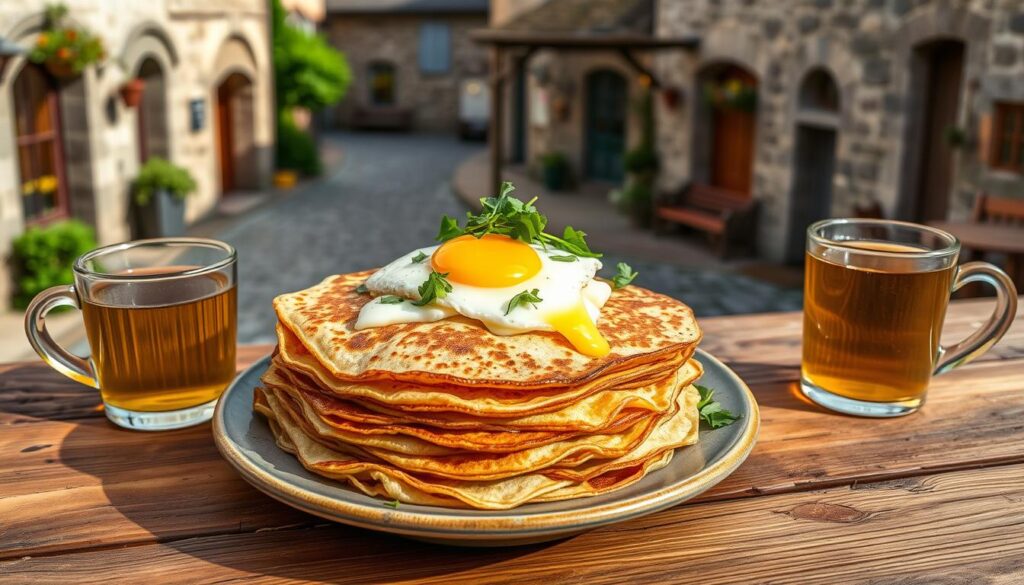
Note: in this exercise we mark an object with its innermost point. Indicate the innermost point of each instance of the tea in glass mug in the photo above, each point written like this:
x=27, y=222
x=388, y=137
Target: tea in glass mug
x=161, y=319
x=875, y=297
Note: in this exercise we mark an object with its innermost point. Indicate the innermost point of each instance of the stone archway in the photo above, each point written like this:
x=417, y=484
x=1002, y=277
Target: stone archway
x=814, y=156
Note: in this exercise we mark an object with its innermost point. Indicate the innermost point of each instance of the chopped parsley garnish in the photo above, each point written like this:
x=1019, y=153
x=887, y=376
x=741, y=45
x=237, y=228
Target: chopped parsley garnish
x=361, y=289
x=508, y=216
x=624, y=276
x=527, y=297
x=566, y=258
x=392, y=504
x=436, y=286
x=390, y=300
x=711, y=412
x=419, y=257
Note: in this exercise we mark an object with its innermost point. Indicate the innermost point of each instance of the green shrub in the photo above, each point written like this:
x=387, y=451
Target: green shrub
x=640, y=160
x=296, y=150
x=308, y=71
x=43, y=257
x=554, y=159
x=158, y=174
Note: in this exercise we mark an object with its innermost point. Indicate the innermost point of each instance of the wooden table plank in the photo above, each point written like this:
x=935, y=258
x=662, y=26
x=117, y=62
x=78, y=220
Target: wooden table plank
x=959, y=527
x=95, y=496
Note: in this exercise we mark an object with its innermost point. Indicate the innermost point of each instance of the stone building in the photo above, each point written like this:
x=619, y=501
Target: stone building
x=409, y=60
x=907, y=108
x=913, y=105
x=206, y=105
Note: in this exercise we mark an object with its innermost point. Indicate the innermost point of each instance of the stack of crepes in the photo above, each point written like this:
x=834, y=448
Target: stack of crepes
x=449, y=414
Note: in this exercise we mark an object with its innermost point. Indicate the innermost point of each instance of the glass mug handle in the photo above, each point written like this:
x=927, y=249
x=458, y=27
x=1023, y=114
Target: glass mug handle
x=978, y=342
x=52, y=353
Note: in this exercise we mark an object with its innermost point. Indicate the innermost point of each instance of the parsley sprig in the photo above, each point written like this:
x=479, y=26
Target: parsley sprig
x=436, y=286
x=624, y=276
x=505, y=215
x=711, y=412
x=419, y=257
x=527, y=297
x=391, y=300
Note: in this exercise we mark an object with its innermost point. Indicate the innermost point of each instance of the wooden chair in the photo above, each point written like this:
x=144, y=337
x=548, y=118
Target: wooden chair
x=1000, y=210
x=727, y=218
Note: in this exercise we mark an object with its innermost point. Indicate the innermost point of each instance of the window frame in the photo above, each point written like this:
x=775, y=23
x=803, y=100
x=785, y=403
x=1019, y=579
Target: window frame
x=372, y=68
x=54, y=136
x=1015, y=161
x=421, y=55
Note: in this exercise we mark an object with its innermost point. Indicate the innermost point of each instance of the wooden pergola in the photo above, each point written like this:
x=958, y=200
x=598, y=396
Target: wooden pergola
x=501, y=41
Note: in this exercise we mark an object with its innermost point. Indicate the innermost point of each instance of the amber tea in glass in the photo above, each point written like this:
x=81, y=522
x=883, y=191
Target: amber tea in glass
x=875, y=298
x=161, y=320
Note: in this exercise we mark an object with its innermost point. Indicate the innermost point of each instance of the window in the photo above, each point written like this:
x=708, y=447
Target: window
x=37, y=135
x=382, y=83
x=1008, y=137
x=435, y=48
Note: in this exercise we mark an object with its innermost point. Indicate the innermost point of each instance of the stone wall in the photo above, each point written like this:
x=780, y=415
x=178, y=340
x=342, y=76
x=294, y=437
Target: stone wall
x=433, y=98
x=867, y=47
x=187, y=38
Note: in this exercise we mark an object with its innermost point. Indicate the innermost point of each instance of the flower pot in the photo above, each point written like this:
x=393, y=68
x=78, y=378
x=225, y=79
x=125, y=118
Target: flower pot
x=285, y=179
x=163, y=216
x=131, y=92
x=60, y=69
x=554, y=177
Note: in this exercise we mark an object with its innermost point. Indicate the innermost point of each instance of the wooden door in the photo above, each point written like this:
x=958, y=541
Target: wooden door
x=943, y=72
x=732, y=140
x=38, y=142
x=225, y=134
x=606, y=125
x=811, y=200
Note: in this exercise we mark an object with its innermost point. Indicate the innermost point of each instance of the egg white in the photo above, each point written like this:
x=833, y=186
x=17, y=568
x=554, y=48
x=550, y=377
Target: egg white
x=561, y=285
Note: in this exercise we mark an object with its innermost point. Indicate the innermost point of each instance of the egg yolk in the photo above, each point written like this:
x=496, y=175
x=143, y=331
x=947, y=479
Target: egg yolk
x=492, y=261
x=578, y=328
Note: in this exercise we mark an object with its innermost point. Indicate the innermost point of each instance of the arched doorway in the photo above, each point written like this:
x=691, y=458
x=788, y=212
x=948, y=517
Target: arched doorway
x=606, y=125
x=730, y=117
x=39, y=146
x=235, y=140
x=936, y=77
x=152, y=112
x=814, y=158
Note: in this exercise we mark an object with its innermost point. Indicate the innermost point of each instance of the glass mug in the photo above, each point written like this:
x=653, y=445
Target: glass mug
x=875, y=297
x=161, y=320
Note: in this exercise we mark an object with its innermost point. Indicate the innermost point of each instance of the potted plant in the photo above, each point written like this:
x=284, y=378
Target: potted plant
x=131, y=92
x=555, y=167
x=731, y=94
x=159, y=194
x=64, y=50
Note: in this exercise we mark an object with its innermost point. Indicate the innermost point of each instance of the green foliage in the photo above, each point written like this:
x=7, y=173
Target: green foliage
x=66, y=46
x=554, y=159
x=158, y=174
x=43, y=257
x=308, y=72
x=642, y=159
x=296, y=150
x=731, y=94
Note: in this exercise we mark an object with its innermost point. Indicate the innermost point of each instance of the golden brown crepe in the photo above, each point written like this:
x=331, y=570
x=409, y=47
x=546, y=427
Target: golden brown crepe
x=449, y=414
x=641, y=326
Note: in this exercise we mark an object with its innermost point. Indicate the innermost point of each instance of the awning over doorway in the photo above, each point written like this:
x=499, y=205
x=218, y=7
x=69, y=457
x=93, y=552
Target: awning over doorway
x=623, y=26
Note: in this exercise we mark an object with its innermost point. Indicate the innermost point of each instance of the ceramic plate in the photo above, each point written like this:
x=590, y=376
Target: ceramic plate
x=245, y=440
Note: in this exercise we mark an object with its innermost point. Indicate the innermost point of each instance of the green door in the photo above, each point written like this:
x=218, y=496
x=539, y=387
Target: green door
x=606, y=125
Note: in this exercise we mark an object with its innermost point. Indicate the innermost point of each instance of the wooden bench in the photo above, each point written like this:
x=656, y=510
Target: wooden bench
x=382, y=118
x=998, y=210
x=728, y=218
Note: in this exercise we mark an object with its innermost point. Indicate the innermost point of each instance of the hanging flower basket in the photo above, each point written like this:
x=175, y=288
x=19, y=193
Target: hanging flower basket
x=731, y=94
x=131, y=92
x=64, y=50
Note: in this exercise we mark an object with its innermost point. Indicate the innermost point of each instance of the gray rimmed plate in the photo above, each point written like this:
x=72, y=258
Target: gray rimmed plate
x=245, y=440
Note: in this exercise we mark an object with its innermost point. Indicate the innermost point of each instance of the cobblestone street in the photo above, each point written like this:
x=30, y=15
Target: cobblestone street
x=386, y=198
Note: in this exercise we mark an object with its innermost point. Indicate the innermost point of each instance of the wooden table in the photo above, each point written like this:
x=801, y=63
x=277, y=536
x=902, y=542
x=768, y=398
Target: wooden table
x=823, y=498
x=998, y=238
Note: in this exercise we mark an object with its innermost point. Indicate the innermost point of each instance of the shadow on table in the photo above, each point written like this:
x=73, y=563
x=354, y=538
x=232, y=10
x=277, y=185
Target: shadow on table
x=776, y=386
x=175, y=486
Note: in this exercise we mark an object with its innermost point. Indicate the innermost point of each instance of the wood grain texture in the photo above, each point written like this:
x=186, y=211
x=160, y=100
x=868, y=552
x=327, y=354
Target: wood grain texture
x=961, y=527
x=75, y=489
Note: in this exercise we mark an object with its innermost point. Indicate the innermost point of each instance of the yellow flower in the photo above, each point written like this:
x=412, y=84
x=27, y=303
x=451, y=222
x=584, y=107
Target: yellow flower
x=28, y=187
x=46, y=184
x=734, y=86
x=42, y=40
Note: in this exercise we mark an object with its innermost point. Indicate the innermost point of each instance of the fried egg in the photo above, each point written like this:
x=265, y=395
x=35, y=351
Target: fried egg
x=485, y=275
